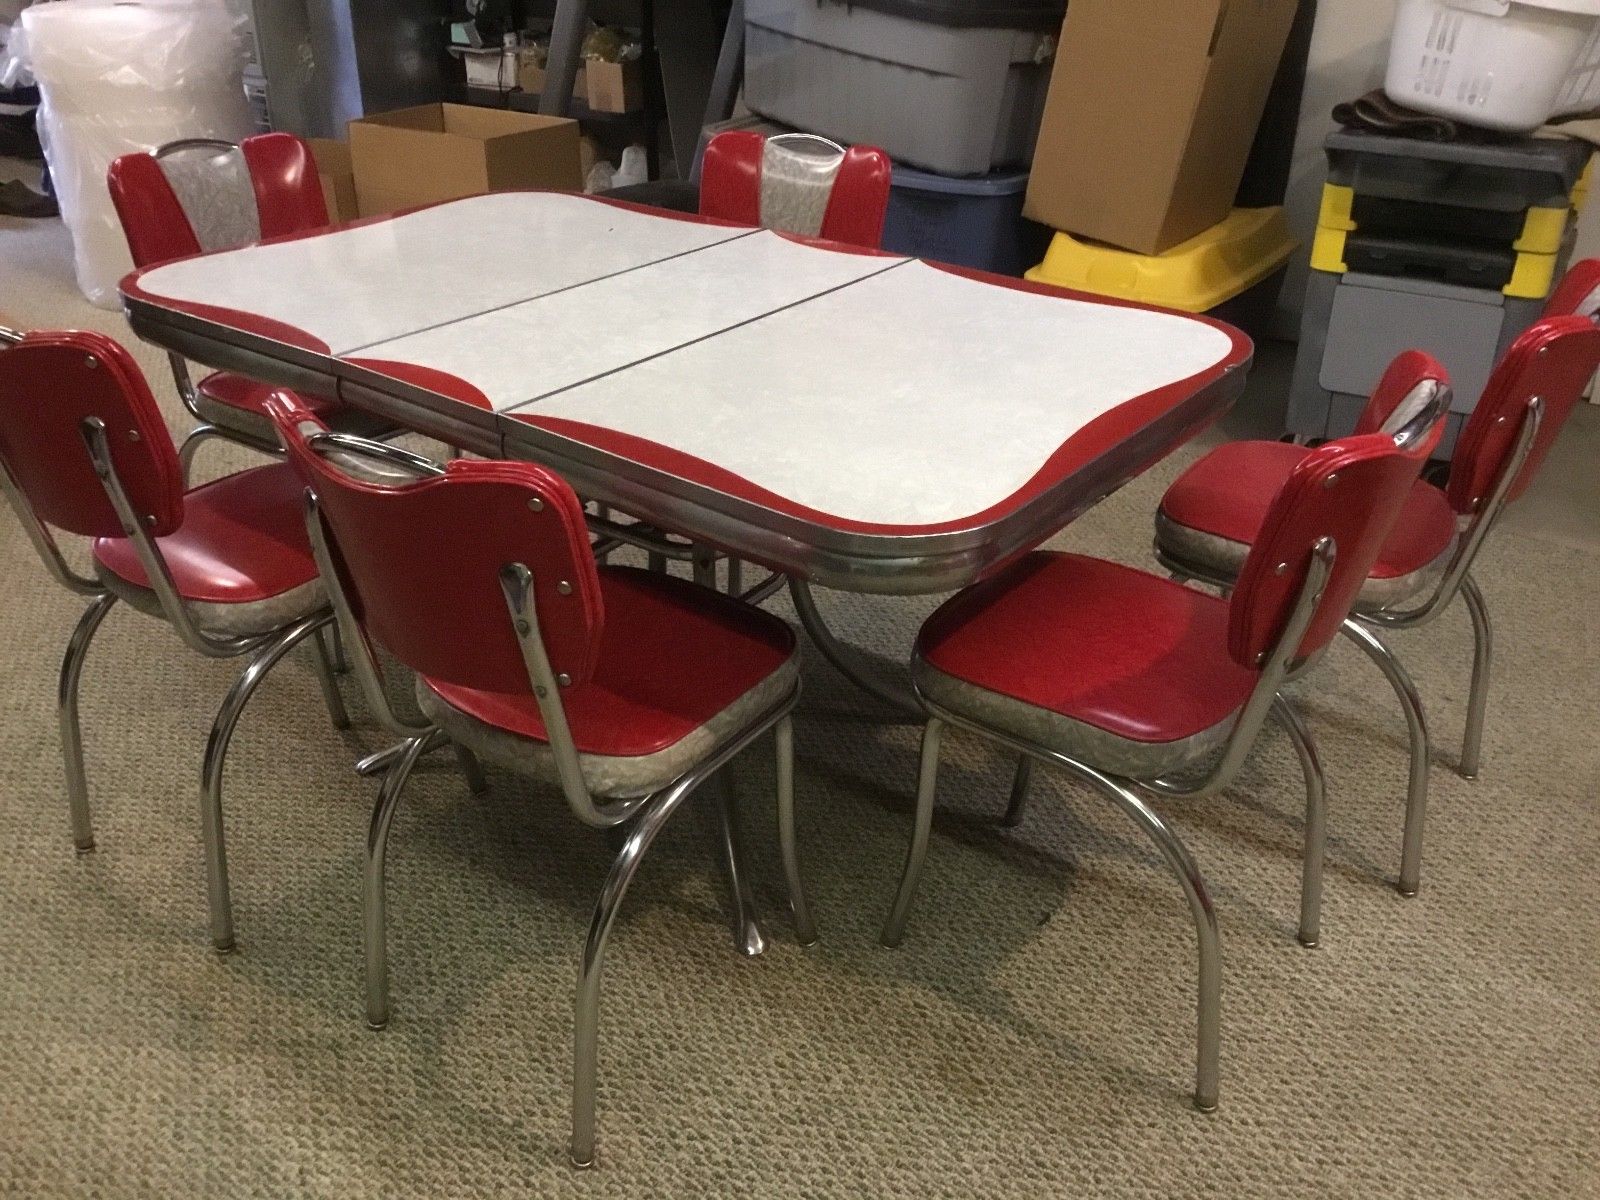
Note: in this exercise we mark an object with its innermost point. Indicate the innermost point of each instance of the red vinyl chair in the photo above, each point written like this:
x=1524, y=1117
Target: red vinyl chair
x=1212, y=514
x=797, y=183
x=200, y=195
x=83, y=449
x=624, y=688
x=1138, y=685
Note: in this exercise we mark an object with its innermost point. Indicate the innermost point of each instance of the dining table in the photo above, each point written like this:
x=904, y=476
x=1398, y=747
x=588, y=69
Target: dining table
x=847, y=418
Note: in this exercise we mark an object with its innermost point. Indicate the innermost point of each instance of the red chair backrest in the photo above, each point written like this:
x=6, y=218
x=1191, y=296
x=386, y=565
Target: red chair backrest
x=1395, y=400
x=1351, y=491
x=1578, y=293
x=50, y=383
x=731, y=188
x=420, y=563
x=284, y=193
x=1554, y=359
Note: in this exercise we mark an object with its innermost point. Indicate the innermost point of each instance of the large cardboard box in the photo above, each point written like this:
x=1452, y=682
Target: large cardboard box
x=1152, y=108
x=338, y=179
x=615, y=87
x=445, y=151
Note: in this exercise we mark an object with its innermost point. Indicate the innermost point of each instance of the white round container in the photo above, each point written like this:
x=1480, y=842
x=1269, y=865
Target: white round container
x=1501, y=64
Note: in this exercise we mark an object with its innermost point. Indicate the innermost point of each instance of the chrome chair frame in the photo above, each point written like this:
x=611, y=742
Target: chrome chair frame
x=644, y=816
x=265, y=651
x=1277, y=667
x=1364, y=626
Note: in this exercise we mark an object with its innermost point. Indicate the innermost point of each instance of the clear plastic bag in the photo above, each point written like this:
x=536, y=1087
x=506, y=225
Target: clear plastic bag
x=116, y=77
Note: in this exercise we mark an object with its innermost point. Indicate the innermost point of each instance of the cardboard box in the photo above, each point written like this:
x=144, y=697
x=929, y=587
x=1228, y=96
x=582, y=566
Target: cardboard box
x=445, y=151
x=338, y=179
x=495, y=69
x=615, y=87
x=1151, y=114
x=531, y=76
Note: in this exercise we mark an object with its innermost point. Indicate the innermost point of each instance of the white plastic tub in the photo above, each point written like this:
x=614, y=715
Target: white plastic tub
x=1501, y=64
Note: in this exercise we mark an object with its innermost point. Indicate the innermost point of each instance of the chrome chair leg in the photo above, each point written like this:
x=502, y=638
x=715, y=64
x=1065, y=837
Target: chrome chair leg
x=477, y=781
x=1017, y=807
x=1417, y=791
x=655, y=814
x=323, y=662
x=335, y=643
x=374, y=919
x=1482, y=660
x=804, y=927
x=211, y=774
x=1209, y=1003
x=71, y=730
x=747, y=936
x=927, y=785
x=1305, y=747
x=196, y=437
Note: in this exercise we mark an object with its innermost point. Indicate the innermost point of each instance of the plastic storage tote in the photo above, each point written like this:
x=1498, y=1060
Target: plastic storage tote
x=1504, y=64
x=970, y=222
x=953, y=86
x=1199, y=275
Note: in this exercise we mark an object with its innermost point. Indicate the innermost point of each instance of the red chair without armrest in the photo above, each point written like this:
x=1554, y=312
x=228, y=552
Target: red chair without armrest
x=1212, y=514
x=83, y=450
x=201, y=195
x=797, y=183
x=624, y=688
x=1137, y=684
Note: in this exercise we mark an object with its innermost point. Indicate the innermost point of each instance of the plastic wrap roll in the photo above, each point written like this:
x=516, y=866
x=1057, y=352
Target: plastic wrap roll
x=119, y=77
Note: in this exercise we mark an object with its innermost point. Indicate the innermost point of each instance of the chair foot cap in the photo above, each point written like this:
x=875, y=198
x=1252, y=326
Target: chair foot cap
x=1202, y=1106
x=1467, y=774
x=1308, y=943
x=377, y=1026
x=85, y=848
x=581, y=1164
x=223, y=949
x=1407, y=892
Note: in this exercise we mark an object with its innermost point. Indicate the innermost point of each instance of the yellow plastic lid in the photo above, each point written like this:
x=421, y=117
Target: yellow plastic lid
x=1194, y=276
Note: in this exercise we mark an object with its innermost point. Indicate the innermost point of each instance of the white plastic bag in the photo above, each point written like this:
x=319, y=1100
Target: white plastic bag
x=117, y=77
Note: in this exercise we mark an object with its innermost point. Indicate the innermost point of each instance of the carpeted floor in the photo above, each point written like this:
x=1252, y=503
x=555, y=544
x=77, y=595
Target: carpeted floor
x=1033, y=1037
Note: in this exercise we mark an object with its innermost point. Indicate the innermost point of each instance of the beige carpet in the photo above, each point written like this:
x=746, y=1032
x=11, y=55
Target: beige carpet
x=1033, y=1037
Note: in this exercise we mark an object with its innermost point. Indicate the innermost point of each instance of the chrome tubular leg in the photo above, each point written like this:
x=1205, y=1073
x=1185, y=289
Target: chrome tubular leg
x=747, y=936
x=1482, y=660
x=832, y=649
x=1018, y=805
x=380, y=761
x=323, y=661
x=735, y=577
x=656, y=563
x=927, y=784
x=71, y=730
x=1209, y=1007
x=1316, y=819
x=804, y=927
x=373, y=900
x=341, y=664
x=211, y=775
x=197, y=436
x=471, y=768
x=1417, y=792
x=705, y=567
x=586, y=1026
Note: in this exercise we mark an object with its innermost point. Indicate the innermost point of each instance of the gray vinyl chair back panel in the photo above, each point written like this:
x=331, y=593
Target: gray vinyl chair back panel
x=797, y=174
x=212, y=183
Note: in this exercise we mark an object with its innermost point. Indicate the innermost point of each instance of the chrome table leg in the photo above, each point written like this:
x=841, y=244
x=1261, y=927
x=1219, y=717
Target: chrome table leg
x=804, y=927
x=917, y=852
x=747, y=936
x=898, y=698
x=1017, y=806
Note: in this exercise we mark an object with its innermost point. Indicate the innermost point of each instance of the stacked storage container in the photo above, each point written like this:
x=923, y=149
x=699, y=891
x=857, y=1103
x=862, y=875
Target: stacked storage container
x=952, y=90
x=1448, y=246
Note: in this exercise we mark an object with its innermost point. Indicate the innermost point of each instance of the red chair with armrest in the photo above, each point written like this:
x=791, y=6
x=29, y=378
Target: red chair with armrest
x=797, y=183
x=625, y=689
x=83, y=450
x=1211, y=515
x=1139, y=686
x=201, y=195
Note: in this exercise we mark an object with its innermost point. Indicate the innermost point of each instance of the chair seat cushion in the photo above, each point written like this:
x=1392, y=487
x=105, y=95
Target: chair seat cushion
x=238, y=404
x=1109, y=665
x=241, y=558
x=1213, y=512
x=681, y=669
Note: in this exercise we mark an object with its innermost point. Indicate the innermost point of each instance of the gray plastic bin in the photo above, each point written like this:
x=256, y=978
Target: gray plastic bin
x=943, y=90
x=969, y=222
